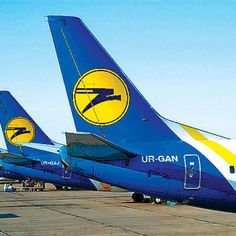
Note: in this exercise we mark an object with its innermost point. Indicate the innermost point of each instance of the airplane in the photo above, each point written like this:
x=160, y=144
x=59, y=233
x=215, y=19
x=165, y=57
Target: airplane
x=18, y=162
x=123, y=141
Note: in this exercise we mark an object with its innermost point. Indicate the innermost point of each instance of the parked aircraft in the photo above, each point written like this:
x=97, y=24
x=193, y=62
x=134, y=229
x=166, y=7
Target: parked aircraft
x=127, y=143
x=20, y=162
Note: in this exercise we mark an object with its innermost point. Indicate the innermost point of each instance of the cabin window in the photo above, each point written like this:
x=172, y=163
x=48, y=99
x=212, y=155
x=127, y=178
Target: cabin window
x=232, y=169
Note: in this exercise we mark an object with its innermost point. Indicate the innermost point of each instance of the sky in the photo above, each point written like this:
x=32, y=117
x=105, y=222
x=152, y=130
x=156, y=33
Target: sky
x=181, y=55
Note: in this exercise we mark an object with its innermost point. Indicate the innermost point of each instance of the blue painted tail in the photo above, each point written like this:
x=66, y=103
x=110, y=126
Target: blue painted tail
x=18, y=126
x=102, y=98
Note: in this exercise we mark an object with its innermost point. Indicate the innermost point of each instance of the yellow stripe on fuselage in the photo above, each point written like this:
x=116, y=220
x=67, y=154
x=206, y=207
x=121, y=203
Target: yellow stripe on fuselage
x=223, y=152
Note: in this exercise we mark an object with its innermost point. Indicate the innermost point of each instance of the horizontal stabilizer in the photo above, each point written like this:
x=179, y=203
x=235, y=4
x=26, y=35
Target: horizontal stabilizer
x=94, y=147
x=53, y=148
x=12, y=158
x=3, y=150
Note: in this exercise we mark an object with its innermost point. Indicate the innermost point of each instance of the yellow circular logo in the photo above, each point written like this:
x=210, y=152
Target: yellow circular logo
x=101, y=97
x=19, y=129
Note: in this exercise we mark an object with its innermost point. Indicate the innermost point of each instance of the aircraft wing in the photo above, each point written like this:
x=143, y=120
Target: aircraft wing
x=94, y=147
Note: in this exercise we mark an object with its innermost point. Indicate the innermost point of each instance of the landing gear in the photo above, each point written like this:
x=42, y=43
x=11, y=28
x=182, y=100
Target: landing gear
x=58, y=187
x=156, y=200
x=67, y=188
x=137, y=197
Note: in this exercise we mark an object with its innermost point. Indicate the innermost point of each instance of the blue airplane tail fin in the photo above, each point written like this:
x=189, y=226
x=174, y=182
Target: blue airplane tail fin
x=103, y=100
x=18, y=126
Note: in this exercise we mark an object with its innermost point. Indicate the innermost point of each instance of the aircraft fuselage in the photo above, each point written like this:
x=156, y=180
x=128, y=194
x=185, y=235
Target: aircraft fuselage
x=175, y=171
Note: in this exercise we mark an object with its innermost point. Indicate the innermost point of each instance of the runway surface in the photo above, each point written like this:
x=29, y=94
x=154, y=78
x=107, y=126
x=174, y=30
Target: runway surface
x=104, y=213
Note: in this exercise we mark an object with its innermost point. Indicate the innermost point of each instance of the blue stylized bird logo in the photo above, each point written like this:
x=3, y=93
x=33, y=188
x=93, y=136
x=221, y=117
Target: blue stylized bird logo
x=19, y=131
x=103, y=95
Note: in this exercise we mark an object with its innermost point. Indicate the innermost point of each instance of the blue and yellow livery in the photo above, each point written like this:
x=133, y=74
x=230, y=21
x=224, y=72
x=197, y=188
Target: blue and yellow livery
x=20, y=162
x=124, y=141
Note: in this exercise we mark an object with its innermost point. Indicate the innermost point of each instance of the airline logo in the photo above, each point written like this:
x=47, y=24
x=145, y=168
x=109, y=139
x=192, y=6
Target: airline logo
x=19, y=129
x=101, y=97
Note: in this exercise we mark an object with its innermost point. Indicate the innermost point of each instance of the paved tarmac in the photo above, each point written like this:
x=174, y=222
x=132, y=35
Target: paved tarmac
x=104, y=213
